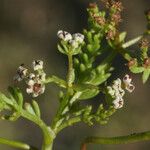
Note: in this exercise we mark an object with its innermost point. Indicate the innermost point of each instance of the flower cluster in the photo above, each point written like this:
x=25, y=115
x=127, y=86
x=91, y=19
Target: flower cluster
x=34, y=81
x=74, y=40
x=117, y=90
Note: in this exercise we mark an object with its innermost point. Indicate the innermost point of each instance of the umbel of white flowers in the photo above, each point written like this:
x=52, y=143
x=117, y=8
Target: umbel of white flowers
x=73, y=40
x=117, y=90
x=34, y=81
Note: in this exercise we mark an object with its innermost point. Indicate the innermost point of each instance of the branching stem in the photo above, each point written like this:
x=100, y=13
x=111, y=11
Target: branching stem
x=48, y=133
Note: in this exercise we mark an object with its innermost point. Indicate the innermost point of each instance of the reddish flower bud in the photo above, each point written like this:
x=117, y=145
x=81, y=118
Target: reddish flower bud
x=132, y=62
x=92, y=5
x=146, y=62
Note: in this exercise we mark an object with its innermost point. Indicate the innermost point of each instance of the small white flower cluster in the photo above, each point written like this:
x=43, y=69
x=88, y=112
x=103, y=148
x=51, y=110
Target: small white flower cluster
x=21, y=73
x=116, y=91
x=74, y=40
x=34, y=81
x=127, y=80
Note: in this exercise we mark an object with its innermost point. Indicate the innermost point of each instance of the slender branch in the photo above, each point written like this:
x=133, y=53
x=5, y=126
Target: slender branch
x=70, y=70
x=136, y=137
x=64, y=102
x=70, y=122
x=48, y=133
x=16, y=144
x=60, y=82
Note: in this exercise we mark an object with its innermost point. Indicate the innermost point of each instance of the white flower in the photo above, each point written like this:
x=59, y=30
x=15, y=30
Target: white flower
x=118, y=103
x=116, y=93
x=130, y=88
x=117, y=82
x=118, y=89
x=36, y=89
x=127, y=83
x=127, y=79
x=21, y=73
x=74, y=44
x=35, y=84
x=31, y=76
x=41, y=77
x=64, y=35
x=78, y=37
x=30, y=82
x=37, y=65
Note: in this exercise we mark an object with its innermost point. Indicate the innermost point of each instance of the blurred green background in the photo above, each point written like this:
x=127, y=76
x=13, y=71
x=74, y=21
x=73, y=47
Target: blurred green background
x=28, y=31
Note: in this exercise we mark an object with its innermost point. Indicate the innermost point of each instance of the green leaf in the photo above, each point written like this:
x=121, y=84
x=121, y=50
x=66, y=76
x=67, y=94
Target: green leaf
x=145, y=75
x=88, y=34
x=87, y=94
x=85, y=58
x=82, y=67
x=99, y=79
x=61, y=50
x=90, y=48
x=29, y=108
x=87, y=117
x=16, y=94
x=83, y=87
x=136, y=69
x=5, y=99
x=36, y=108
x=75, y=51
x=122, y=36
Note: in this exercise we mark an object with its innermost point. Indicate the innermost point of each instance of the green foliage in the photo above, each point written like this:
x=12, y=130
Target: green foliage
x=90, y=58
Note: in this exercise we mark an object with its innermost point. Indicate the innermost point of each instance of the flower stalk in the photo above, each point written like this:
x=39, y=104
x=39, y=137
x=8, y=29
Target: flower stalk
x=132, y=138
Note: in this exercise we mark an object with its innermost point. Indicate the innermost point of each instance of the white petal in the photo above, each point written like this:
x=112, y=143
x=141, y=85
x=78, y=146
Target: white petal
x=29, y=90
x=130, y=88
x=127, y=79
x=31, y=75
x=37, y=65
x=73, y=43
x=78, y=37
x=117, y=82
x=118, y=103
x=42, y=89
x=35, y=95
x=64, y=35
x=30, y=82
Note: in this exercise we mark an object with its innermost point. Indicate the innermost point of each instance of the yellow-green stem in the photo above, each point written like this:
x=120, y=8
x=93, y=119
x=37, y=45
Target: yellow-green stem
x=48, y=133
x=15, y=144
x=132, y=138
x=70, y=70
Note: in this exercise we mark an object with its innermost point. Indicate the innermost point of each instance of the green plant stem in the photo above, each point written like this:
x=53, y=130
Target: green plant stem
x=70, y=122
x=15, y=144
x=64, y=102
x=54, y=79
x=48, y=133
x=136, y=137
x=70, y=70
